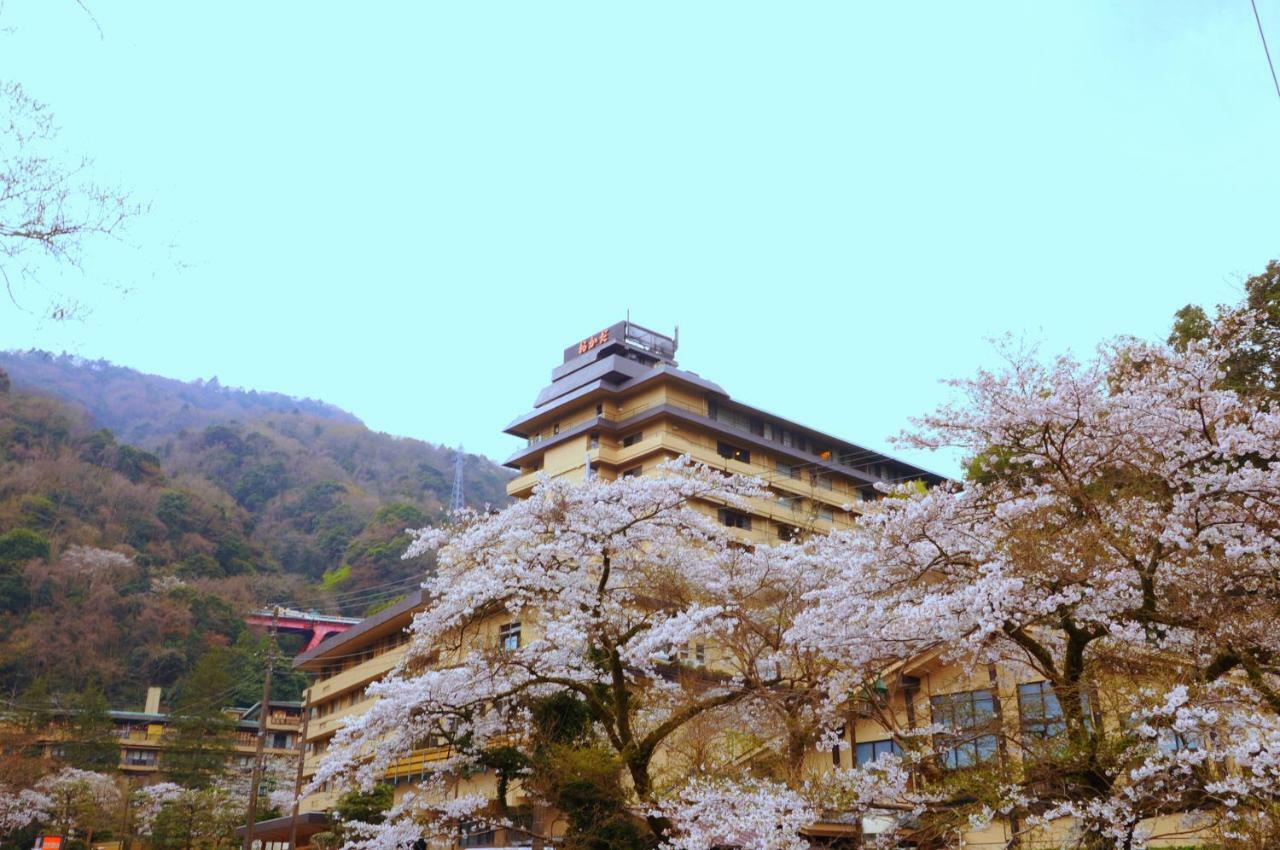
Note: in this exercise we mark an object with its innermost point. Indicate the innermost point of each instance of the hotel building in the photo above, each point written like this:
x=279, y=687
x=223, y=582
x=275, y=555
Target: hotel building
x=618, y=405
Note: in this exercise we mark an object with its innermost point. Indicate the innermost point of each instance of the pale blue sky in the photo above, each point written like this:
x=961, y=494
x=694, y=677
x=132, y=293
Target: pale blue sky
x=409, y=209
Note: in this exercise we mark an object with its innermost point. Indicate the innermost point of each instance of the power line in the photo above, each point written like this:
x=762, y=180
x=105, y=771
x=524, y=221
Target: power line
x=1262, y=35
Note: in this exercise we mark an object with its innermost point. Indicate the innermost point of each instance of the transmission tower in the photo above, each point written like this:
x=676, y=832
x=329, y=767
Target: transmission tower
x=457, y=502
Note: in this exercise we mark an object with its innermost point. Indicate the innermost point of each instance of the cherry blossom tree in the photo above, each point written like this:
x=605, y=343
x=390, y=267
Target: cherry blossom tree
x=79, y=799
x=640, y=618
x=21, y=808
x=1117, y=534
x=182, y=818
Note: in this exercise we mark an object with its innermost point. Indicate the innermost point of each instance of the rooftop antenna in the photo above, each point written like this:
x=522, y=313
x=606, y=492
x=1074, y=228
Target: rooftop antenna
x=457, y=502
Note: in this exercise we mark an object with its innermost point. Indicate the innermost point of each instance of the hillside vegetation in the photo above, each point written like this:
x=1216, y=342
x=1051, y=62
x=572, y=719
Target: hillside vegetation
x=123, y=560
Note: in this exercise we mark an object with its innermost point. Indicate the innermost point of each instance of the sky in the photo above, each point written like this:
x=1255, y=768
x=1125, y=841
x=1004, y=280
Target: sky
x=410, y=209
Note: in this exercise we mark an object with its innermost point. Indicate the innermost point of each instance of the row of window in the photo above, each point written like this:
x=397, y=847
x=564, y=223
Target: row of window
x=346, y=700
x=738, y=519
x=786, y=437
x=353, y=659
x=971, y=717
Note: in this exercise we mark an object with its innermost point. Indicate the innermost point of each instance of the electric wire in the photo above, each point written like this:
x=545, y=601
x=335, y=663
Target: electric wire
x=1266, y=50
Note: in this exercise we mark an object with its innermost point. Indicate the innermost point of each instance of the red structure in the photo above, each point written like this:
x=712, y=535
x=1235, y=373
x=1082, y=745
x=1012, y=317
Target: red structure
x=318, y=626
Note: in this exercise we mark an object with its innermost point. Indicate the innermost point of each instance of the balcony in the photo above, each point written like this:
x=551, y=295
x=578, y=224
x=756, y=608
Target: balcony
x=330, y=723
x=353, y=677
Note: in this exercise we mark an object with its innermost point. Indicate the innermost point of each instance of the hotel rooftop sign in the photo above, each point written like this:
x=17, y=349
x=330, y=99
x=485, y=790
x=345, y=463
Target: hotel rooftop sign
x=625, y=334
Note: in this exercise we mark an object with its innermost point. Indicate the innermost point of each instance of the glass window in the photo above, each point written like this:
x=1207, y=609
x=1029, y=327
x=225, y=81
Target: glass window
x=1172, y=742
x=865, y=752
x=509, y=636
x=734, y=519
x=732, y=418
x=732, y=452
x=632, y=439
x=971, y=718
x=1040, y=712
x=788, y=469
x=632, y=472
x=140, y=758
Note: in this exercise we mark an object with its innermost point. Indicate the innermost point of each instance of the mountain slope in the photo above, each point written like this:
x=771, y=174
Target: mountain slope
x=111, y=572
x=141, y=518
x=140, y=408
x=243, y=498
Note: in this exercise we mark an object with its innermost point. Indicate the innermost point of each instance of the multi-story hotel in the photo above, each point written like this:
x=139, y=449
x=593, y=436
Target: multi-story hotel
x=618, y=405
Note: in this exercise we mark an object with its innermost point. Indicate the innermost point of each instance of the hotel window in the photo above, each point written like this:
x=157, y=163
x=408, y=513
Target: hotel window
x=787, y=532
x=599, y=410
x=632, y=439
x=694, y=654
x=509, y=636
x=732, y=452
x=632, y=472
x=788, y=469
x=555, y=429
x=735, y=519
x=593, y=441
x=1041, y=714
x=825, y=513
x=141, y=758
x=970, y=718
x=865, y=752
x=732, y=418
x=1167, y=740
x=1172, y=742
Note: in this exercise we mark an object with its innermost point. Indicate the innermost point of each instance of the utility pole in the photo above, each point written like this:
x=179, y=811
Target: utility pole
x=297, y=780
x=457, y=500
x=263, y=707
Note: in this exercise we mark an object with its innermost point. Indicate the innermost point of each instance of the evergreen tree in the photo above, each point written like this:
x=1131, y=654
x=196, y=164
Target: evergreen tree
x=200, y=734
x=92, y=744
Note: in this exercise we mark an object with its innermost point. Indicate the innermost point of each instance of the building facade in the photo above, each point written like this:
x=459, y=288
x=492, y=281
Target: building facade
x=619, y=405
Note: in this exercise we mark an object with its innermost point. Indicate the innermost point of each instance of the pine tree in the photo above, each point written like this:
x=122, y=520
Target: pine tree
x=92, y=744
x=200, y=735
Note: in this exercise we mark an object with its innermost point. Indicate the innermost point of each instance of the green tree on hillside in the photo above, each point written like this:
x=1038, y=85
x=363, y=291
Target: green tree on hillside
x=92, y=744
x=17, y=547
x=200, y=734
x=1255, y=367
x=248, y=664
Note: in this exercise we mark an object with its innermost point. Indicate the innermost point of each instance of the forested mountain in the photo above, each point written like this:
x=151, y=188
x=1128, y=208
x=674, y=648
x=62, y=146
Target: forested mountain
x=123, y=560
x=138, y=407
